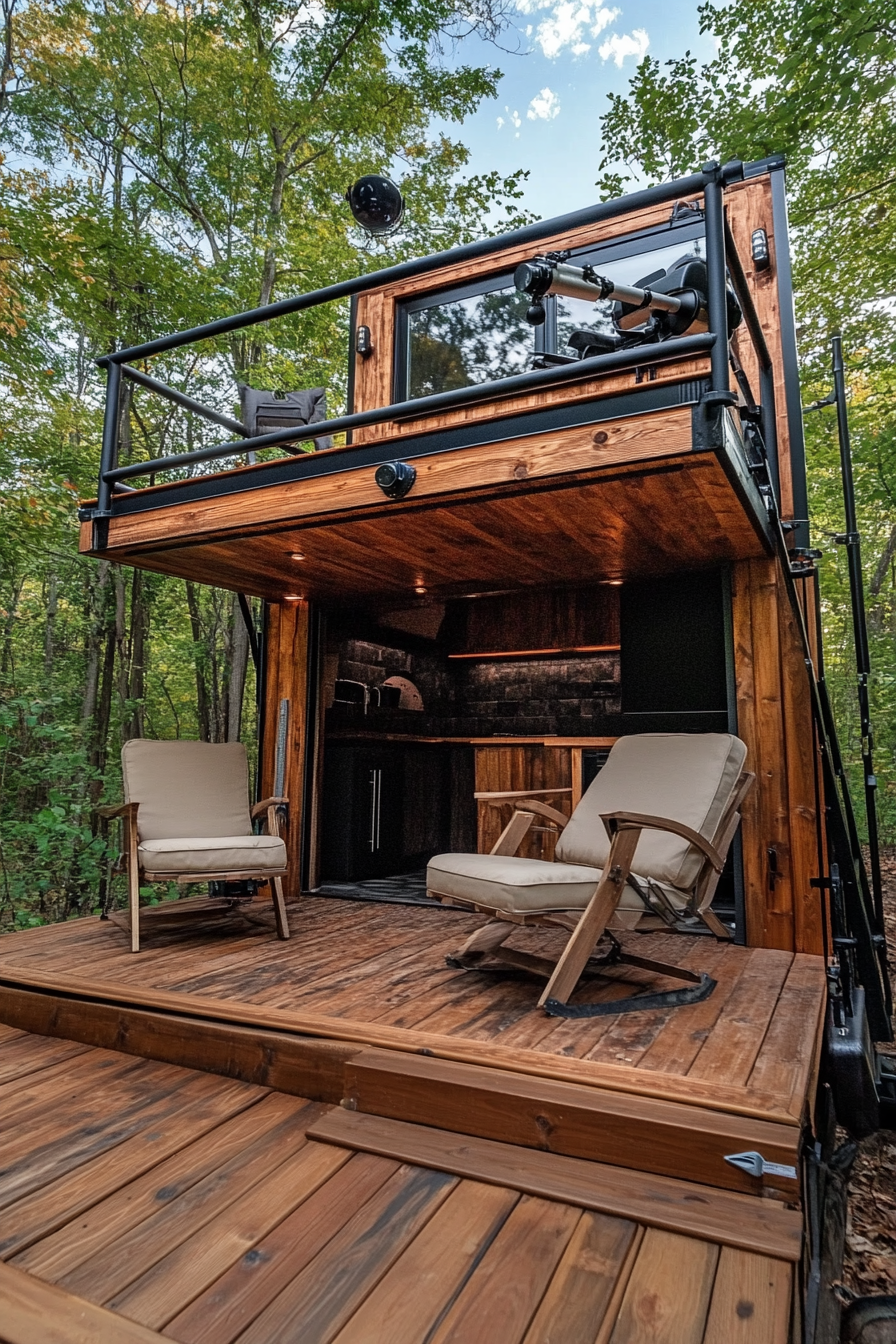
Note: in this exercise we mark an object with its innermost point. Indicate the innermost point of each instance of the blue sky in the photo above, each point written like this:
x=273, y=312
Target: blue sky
x=563, y=57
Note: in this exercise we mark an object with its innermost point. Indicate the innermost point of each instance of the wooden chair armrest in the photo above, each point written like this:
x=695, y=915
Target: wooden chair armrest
x=263, y=806
x=639, y=821
x=506, y=795
x=117, y=810
x=543, y=810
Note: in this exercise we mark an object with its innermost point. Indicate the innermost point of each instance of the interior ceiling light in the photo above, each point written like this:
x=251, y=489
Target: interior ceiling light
x=297, y=555
x=294, y=597
x=420, y=588
x=376, y=204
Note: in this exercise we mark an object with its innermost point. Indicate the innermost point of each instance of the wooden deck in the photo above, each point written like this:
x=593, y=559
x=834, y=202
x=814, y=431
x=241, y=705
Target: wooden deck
x=376, y=974
x=143, y=1201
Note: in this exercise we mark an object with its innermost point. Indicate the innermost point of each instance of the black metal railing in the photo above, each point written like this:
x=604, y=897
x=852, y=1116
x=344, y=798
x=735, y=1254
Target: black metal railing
x=721, y=259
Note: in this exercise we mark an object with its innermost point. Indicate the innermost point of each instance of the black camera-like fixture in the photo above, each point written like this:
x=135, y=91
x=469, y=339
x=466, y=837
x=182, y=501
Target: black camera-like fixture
x=376, y=204
x=395, y=478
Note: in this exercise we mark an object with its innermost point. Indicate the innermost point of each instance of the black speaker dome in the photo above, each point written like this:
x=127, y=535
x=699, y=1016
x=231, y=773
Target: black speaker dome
x=376, y=203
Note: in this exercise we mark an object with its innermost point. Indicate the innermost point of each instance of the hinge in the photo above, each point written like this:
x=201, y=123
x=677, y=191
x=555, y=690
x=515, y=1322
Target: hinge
x=754, y=1164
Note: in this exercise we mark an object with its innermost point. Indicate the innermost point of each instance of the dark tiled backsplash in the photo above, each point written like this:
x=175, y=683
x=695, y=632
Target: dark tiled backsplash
x=472, y=699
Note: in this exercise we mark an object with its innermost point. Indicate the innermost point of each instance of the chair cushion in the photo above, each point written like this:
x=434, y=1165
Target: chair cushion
x=685, y=777
x=522, y=886
x=187, y=788
x=531, y=886
x=213, y=854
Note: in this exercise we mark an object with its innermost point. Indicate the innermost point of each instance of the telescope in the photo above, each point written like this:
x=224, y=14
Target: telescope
x=667, y=303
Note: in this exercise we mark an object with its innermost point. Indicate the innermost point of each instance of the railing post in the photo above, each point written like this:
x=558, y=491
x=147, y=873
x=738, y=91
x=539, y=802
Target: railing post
x=716, y=279
x=109, y=454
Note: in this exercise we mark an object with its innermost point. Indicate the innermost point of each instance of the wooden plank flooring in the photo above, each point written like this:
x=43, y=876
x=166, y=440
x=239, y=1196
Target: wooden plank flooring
x=155, y=1203
x=376, y=975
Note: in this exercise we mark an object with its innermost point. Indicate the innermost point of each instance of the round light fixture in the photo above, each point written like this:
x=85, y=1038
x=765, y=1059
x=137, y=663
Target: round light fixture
x=376, y=204
x=297, y=555
x=419, y=588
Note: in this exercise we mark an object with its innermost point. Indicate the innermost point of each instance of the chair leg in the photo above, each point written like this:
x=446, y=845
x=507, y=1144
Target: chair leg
x=134, y=906
x=133, y=885
x=280, y=908
x=595, y=918
x=480, y=943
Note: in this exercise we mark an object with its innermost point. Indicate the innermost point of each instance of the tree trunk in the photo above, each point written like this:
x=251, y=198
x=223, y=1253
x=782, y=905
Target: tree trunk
x=200, y=663
x=239, y=661
x=138, y=645
x=96, y=613
x=6, y=661
x=50, y=625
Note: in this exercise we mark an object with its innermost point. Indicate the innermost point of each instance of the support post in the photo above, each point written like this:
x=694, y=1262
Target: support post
x=853, y=545
x=109, y=454
x=716, y=298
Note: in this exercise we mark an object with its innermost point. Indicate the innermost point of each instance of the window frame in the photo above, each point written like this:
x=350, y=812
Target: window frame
x=545, y=336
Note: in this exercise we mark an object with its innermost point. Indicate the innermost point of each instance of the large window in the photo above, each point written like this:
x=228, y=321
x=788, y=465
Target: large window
x=467, y=337
x=478, y=333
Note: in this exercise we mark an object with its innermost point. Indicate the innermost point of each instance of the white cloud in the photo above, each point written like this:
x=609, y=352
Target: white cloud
x=568, y=23
x=620, y=45
x=544, y=106
x=500, y=122
x=516, y=119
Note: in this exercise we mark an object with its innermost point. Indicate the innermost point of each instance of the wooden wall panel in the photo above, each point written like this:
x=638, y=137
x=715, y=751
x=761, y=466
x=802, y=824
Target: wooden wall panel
x=749, y=206
x=521, y=767
x=549, y=618
x=287, y=679
x=775, y=721
x=802, y=765
x=769, y=906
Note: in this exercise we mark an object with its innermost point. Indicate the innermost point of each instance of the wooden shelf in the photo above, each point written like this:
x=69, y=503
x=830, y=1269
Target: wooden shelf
x=537, y=653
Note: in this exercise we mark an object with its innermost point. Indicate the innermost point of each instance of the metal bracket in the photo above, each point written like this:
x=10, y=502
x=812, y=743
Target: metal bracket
x=754, y=1164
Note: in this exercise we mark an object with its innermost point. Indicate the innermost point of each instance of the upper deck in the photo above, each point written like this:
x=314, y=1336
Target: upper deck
x=636, y=462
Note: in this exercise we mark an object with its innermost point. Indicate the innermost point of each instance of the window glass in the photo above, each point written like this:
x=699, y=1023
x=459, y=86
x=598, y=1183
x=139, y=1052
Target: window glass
x=468, y=340
x=573, y=313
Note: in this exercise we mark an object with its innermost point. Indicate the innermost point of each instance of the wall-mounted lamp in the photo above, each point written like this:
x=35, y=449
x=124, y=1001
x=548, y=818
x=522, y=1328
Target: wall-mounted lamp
x=759, y=250
x=363, y=343
x=395, y=478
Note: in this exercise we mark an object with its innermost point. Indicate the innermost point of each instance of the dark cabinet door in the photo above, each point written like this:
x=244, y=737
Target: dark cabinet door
x=385, y=809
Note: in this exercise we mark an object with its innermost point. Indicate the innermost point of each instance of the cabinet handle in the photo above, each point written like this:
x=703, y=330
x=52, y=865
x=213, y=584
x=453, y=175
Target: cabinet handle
x=376, y=777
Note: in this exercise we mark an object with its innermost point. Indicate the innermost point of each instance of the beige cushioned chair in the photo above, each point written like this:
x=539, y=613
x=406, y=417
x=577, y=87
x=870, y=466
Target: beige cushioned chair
x=187, y=819
x=648, y=839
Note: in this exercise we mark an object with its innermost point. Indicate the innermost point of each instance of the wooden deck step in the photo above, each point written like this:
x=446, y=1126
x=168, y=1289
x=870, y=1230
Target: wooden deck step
x=758, y=1225
x=643, y=1133
x=249, y=1217
x=105, y=1012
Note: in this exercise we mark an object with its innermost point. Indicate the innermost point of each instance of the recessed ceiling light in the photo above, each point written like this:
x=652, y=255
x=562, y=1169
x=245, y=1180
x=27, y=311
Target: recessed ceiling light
x=612, y=583
x=297, y=555
x=420, y=588
x=294, y=597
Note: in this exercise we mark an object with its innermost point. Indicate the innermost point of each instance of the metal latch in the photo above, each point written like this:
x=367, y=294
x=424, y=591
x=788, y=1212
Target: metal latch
x=754, y=1164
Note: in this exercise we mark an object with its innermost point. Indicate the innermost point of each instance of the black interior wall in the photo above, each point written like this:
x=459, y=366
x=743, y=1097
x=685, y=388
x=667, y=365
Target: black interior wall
x=673, y=654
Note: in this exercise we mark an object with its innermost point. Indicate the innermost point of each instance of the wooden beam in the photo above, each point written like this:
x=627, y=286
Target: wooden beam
x=645, y=1134
x=85, y=994
x=33, y=1312
x=730, y=1219
x=461, y=470
x=286, y=664
x=300, y=1066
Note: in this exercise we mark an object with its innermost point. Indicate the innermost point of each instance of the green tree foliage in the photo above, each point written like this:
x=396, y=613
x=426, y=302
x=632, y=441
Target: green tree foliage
x=162, y=164
x=816, y=81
